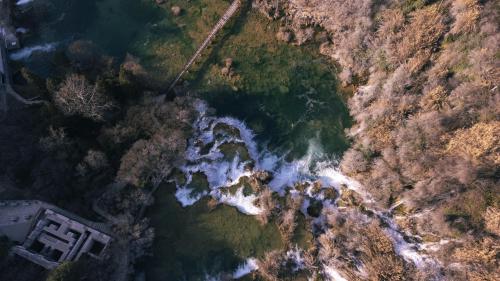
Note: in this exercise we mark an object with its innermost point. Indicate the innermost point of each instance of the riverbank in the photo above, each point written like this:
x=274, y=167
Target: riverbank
x=253, y=186
x=428, y=77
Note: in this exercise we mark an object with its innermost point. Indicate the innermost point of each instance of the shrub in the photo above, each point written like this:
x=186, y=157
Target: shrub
x=354, y=161
x=287, y=224
x=492, y=220
x=269, y=266
x=466, y=14
x=151, y=161
x=267, y=203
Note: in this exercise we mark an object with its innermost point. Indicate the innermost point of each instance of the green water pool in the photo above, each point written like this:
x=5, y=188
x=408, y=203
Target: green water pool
x=286, y=94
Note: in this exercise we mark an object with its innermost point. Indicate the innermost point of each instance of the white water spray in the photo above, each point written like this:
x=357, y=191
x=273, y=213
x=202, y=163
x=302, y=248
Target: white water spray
x=27, y=52
x=314, y=167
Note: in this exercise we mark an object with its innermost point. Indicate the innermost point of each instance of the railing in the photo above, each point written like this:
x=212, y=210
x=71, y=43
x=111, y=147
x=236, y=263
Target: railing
x=220, y=24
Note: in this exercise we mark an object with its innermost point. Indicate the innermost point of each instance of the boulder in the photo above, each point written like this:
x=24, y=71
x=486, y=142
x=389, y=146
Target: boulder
x=176, y=11
x=330, y=194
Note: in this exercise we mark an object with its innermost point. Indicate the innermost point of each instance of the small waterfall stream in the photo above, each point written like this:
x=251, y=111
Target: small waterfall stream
x=205, y=156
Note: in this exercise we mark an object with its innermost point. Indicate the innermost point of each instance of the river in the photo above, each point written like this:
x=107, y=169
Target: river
x=282, y=100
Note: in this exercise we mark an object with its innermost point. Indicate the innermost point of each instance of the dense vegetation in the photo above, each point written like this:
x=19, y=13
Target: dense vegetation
x=96, y=128
x=426, y=111
x=425, y=143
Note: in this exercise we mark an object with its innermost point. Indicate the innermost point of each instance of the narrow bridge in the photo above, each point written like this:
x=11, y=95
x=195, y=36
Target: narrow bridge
x=220, y=24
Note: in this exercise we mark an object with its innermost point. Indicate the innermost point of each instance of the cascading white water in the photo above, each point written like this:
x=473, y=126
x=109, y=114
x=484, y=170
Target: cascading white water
x=23, y=2
x=26, y=52
x=315, y=166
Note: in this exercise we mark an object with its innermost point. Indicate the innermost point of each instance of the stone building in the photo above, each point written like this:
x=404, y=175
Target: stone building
x=48, y=235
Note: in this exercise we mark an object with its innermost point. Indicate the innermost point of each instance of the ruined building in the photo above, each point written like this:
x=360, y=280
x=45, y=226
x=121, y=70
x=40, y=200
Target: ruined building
x=48, y=235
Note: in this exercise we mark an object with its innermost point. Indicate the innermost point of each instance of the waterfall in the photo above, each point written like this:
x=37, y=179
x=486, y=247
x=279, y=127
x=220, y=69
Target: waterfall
x=315, y=166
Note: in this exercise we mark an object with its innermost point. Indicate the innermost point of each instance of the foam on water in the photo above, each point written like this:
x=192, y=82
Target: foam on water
x=23, y=2
x=333, y=274
x=186, y=198
x=22, y=30
x=244, y=204
x=26, y=52
x=315, y=166
x=246, y=268
x=295, y=255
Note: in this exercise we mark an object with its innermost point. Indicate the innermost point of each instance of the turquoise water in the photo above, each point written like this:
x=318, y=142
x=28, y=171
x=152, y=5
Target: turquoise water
x=286, y=94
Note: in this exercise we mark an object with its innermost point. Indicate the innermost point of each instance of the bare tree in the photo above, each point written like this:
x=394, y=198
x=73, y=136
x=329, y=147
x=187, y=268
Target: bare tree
x=77, y=96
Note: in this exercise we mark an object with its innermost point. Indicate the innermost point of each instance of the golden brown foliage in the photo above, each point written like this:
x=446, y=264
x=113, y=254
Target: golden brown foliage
x=466, y=15
x=370, y=245
x=484, y=252
x=379, y=255
x=425, y=29
x=492, y=220
x=481, y=142
x=434, y=99
x=269, y=266
x=267, y=203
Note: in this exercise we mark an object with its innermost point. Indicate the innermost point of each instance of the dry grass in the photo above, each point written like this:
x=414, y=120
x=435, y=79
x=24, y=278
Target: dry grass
x=492, y=220
x=434, y=99
x=466, y=15
x=286, y=224
x=267, y=204
x=269, y=266
x=481, y=143
x=381, y=261
x=480, y=257
x=425, y=29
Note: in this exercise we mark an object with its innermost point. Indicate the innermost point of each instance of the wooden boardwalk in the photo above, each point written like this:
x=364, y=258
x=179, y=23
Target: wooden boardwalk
x=233, y=8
